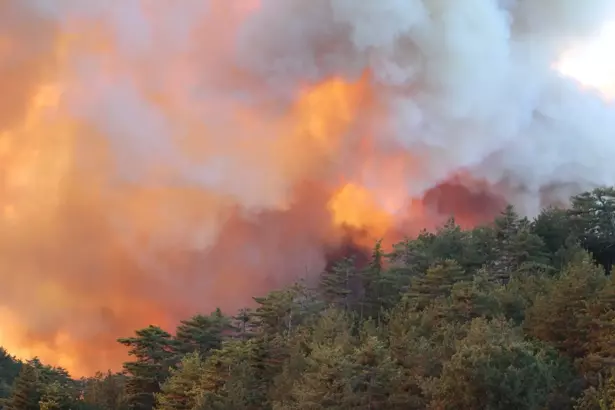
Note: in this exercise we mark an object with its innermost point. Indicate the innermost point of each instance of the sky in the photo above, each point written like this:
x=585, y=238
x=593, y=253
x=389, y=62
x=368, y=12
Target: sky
x=593, y=63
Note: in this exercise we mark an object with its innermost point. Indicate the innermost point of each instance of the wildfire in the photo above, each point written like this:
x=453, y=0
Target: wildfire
x=42, y=196
x=356, y=207
x=161, y=160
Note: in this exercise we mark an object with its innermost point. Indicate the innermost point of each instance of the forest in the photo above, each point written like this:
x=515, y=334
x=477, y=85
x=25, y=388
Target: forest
x=516, y=314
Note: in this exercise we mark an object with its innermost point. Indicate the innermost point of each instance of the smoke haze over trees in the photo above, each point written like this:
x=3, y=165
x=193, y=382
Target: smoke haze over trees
x=160, y=158
x=513, y=314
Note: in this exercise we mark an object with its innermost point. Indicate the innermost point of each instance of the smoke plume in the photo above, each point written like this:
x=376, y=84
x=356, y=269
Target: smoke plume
x=161, y=158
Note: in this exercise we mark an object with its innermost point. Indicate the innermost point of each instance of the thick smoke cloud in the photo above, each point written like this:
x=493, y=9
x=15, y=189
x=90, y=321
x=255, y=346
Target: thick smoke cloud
x=160, y=158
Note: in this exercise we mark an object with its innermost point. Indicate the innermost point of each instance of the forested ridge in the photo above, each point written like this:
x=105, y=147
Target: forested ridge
x=516, y=314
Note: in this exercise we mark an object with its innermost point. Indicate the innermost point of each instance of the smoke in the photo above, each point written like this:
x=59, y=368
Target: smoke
x=161, y=158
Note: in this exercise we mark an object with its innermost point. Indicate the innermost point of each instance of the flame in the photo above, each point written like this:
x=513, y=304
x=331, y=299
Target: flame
x=355, y=206
x=325, y=111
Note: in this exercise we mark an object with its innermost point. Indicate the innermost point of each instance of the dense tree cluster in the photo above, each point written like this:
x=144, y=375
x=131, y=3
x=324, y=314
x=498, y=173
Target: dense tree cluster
x=517, y=314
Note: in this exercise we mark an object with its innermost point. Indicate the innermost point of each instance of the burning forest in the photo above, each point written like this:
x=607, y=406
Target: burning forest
x=162, y=158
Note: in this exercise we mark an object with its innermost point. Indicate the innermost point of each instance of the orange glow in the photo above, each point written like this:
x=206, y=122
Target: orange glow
x=355, y=206
x=325, y=111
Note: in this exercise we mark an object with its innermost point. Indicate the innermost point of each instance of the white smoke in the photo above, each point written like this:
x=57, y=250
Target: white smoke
x=467, y=84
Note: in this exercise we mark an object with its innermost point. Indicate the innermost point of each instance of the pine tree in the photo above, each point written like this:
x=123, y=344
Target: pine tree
x=336, y=284
x=202, y=333
x=374, y=374
x=413, y=257
x=515, y=245
x=554, y=227
x=481, y=247
x=324, y=381
x=55, y=396
x=376, y=286
x=26, y=390
x=469, y=300
x=449, y=243
x=559, y=316
x=242, y=325
x=282, y=312
x=155, y=352
x=593, y=221
x=507, y=223
x=495, y=368
x=235, y=377
x=597, y=316
x=9, y=370
x=181, y=389
x=437, y=282
x=105, y=391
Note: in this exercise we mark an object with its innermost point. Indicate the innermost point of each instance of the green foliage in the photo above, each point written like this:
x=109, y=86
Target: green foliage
x=9, y=370
x=180, y=390
x=105, y=391
x=55, y=396
x=515, y=314
x=26, y=390
x=238, y=376
x=338, y=285
x=593, y=221
x=495, y=368
x=554, y=227
x=201, y=333
x=437, y=282
x=560, y=316
x=154, y=351
x=43, y=386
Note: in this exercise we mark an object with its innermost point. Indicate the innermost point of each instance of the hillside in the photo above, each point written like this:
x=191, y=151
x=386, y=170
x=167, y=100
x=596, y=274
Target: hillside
x=517, y=314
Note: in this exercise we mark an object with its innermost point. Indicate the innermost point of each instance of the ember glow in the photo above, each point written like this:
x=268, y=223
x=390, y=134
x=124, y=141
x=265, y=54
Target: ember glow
x=159, y=159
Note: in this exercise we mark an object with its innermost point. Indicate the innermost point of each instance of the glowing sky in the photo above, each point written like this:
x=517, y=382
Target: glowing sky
x=593, y=63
